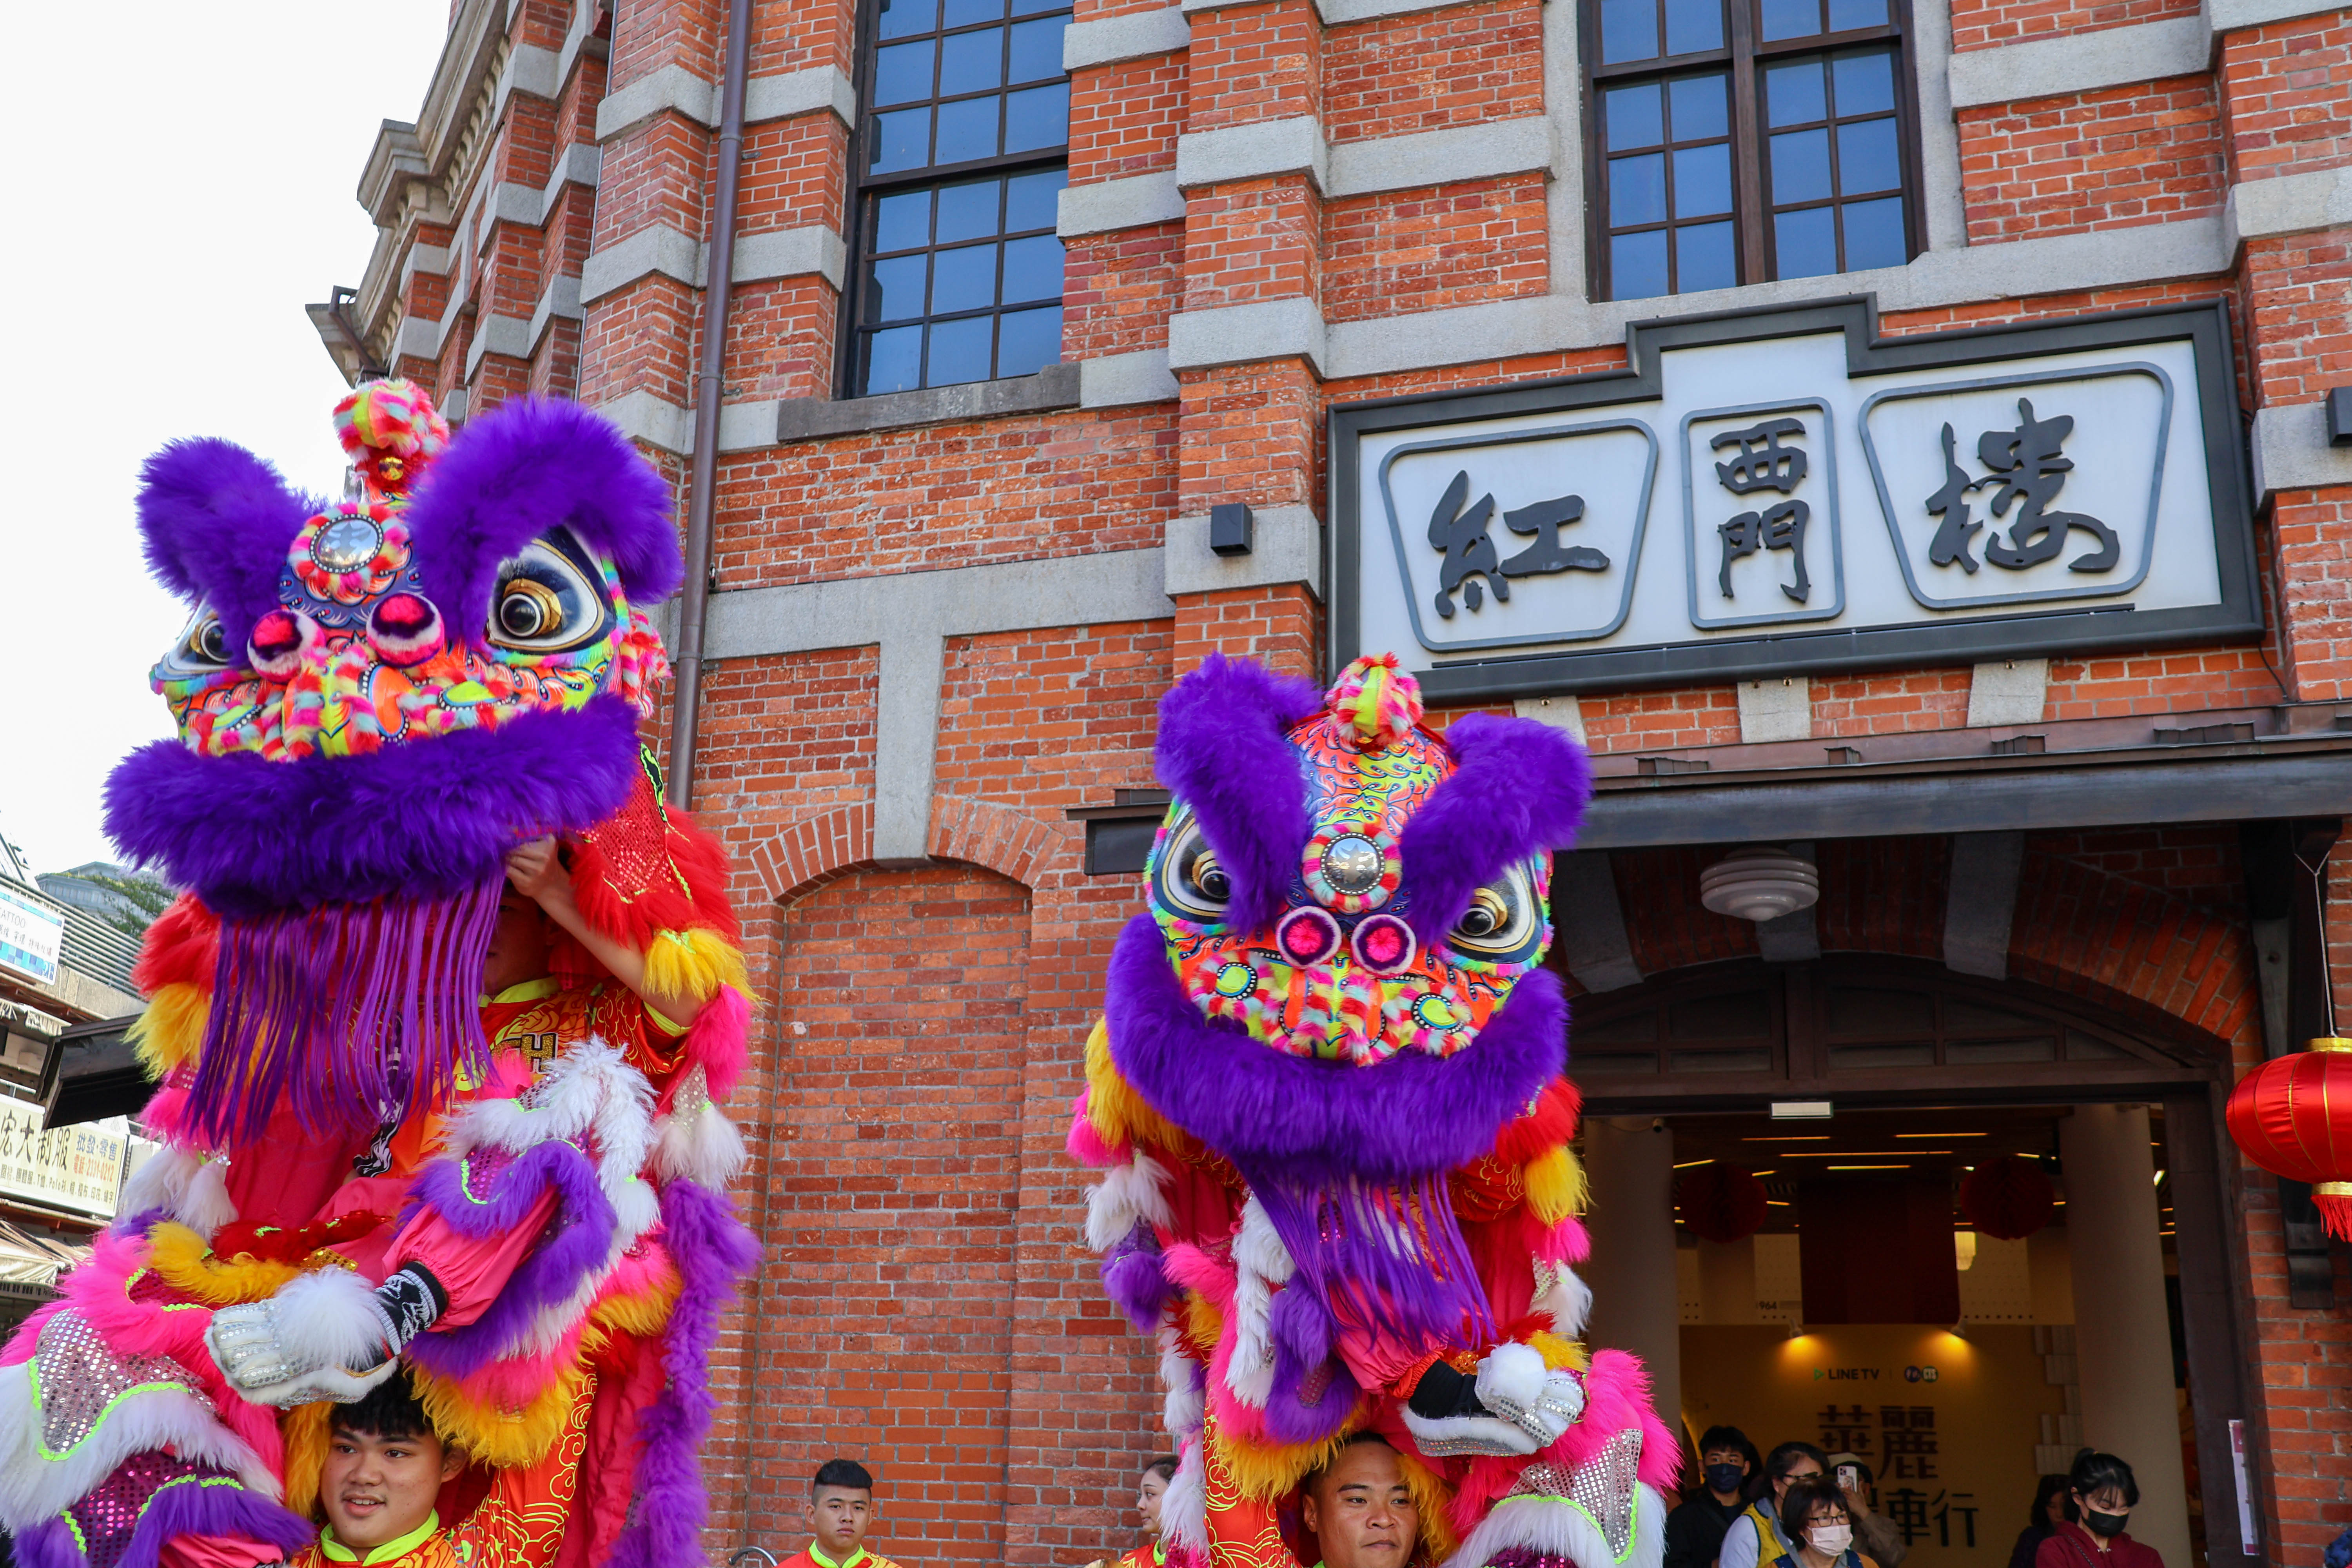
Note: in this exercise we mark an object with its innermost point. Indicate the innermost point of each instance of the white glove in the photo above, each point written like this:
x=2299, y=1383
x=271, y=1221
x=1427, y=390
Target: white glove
x=325, y=1335
x=1542, y=1403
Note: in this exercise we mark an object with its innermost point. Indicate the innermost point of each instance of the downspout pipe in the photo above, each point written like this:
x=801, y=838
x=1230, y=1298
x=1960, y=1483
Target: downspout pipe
x=702, y=485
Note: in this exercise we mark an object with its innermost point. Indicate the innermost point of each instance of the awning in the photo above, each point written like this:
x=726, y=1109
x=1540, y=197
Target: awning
x=30, y=1261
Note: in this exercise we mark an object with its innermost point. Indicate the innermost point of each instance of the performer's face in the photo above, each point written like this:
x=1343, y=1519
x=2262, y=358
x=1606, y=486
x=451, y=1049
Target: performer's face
x=377, y=1489
x=517, y=943
x=1360, y=1511
x=1147, y=1501
x=838, y=1517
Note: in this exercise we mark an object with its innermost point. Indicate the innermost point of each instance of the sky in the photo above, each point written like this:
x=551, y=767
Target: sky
x=182, y=184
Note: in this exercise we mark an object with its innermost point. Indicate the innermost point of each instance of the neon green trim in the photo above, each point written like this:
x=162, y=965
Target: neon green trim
x=335, y=1551
x=33, y=1377
x=75, y=1525
x=855, y=1558
x=537, y=990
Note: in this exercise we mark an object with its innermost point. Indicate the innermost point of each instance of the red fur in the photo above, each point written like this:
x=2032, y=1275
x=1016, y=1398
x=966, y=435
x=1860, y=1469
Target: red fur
x=720, y=1039
x=1550, y=1124
x=634, y=914
x=182, y=947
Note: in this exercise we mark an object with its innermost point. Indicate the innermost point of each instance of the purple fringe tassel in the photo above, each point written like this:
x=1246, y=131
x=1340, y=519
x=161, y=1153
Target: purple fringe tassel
x=668, y=1506
x=354, y=1014
x=1389, y=1259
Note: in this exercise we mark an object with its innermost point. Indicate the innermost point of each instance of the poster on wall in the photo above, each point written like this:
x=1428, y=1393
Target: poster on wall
x=1948, y=1424
x=1788, y=491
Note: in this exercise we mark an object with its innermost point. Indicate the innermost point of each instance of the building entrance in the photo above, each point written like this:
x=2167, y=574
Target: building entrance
x=1957, y=1229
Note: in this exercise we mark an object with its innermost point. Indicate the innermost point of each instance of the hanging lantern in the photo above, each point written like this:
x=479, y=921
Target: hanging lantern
x=1719, y=1202
x=2293, y=1116
x=2008, y=1197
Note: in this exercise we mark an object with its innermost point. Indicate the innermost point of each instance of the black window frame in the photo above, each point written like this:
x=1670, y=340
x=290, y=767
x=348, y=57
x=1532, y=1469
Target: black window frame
x=859, y=185
x=1743, y=60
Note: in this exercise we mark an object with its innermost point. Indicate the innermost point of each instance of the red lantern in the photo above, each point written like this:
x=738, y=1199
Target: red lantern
x=1719, y=1201
x=2008, y=1197
x=2293, y=1116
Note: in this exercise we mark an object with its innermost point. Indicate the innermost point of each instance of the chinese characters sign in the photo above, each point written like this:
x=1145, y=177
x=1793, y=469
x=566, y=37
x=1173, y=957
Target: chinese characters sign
x=1823, y=499
x=77, y=1168
x=32, y=931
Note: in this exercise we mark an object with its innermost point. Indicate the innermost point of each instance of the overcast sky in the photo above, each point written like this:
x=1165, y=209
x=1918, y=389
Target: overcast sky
x=182, y=186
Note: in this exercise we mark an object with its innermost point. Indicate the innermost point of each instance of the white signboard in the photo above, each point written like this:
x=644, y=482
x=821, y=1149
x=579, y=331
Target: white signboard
x=1751, y=501
x=32, y=932
x=77, y=1168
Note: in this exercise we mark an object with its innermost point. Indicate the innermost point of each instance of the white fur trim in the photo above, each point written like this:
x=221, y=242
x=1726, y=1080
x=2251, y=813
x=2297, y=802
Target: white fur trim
x=1557, y=1528
x=1184, y=1509
x=1127, y=1193
x=589, y=1095
x=1566, y=1298
x=1258, y=1245
x=1260, y=1262
x=33, y=1488
x=704, y=1148
x=186, y=1184
x=1512, y=1374
x=1181, y=1411
x=325, y=1318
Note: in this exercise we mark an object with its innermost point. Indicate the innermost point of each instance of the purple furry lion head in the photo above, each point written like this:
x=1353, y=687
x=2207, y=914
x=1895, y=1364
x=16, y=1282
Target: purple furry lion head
x=378, y=698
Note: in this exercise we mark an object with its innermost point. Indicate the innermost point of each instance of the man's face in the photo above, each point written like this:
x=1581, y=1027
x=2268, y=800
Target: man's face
x=1802, y=1470
x=1731, y=1457
x=517, y=943
x=1360, y=1511
x=376, y=1489
x=838, y=1517
x=1148, y=1494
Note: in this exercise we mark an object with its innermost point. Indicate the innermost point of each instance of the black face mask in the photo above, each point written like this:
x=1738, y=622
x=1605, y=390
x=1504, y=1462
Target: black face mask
x=1725, y=1478
x=2109, y=1524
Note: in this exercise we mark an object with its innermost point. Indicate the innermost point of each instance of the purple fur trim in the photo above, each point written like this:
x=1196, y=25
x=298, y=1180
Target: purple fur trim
x=1133, y=1278
x=217, y=521
x=713, y=1250
x=424, y=821
x=48, y=1544
x=579, y=1239
x=1389, y=1259
x=190, y=1508
x=533, y=465
x=1521, y=790
x=350, y=1012
x=1312, y=1393
x=1223, y=753
x=1314, y=1122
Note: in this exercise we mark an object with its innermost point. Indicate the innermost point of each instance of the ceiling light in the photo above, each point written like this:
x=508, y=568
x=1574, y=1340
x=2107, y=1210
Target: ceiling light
x=1760, y=883
x=1801, y=1110
x=1791, y=1138
x=1867, y=1167
x=1943, y=1135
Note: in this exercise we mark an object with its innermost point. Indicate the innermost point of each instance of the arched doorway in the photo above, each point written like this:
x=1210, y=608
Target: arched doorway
x=1862, y=1089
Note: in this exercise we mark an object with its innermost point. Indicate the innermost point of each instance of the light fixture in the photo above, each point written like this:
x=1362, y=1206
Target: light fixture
x=1801, y=1110
x=1760, y=883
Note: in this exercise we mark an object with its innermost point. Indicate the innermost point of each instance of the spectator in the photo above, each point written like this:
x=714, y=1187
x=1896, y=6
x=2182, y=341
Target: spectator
x=1360, y=1509
x=2050, y=1511
x=840, y=1511
x=1694, y=1530
x=2100, y=1494
x=1815, y=1517
x=1149, y=1488
x=1873, y=1531
x=1754, y=1537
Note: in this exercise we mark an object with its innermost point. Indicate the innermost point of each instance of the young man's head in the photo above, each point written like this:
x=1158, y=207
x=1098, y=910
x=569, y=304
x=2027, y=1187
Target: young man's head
x=1792, y=1462
x=518, y=942
x=1359, y=1508
x=1723, y=1460
x=385, y=1467
x=840, y=1507
x=1150, y=1487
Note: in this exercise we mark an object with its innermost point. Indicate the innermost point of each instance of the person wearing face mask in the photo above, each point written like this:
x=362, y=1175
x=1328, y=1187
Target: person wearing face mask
x=1818, y=1525
x=1695, y=1530
x=1874, y=1532
x=1755, y=1538
x=2102, y=1493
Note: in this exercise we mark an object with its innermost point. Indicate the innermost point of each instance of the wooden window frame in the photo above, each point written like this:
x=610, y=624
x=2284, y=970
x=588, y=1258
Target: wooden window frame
x=859, y=185
x=1743, y=58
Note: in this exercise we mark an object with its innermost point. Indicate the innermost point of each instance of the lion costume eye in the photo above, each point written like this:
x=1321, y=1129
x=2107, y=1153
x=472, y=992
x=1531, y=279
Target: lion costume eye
x=202, y=647
x=546, y=601
x=1502, y=919
x=1187, y=878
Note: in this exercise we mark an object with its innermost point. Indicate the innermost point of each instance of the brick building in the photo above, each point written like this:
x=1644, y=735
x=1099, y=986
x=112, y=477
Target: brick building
x=1021, y=295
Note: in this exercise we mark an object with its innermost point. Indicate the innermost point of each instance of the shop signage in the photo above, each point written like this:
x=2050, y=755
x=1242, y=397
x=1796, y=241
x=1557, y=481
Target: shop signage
x=77, y=1168
x=32, y=933
x=1775, y=492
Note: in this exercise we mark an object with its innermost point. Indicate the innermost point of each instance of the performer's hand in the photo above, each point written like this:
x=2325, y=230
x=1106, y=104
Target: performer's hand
x=536, y=871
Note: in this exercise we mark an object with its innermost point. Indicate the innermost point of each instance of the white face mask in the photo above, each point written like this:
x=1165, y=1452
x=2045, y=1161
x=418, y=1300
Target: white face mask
x=1828, y=1539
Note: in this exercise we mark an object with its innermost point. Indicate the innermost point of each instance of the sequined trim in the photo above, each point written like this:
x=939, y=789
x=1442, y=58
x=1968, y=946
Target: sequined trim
x=1604, y=1488
x=85, y=1380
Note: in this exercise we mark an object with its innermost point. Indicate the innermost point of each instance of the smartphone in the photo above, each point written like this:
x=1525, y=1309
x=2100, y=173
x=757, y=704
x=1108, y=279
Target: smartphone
x=1850, y=1477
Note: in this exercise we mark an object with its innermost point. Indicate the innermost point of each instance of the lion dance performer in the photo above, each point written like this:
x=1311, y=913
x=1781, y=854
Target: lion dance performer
x=387, y=705
x=1328, y=1092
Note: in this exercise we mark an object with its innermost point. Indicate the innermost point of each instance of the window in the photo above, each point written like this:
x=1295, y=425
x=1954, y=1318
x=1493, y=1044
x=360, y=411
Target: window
x=962, y=152
x=1740, y=140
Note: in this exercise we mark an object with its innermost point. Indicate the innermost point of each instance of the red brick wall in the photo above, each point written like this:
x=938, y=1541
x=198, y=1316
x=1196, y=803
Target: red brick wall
x=2128, y=155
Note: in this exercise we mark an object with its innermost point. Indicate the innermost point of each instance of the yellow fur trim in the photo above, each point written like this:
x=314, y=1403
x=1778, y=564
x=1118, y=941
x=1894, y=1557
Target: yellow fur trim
x=1113, y=1105
x=644, y=1314
x=171, y=1028
x=497, y=1437
x=1431, y=1499
x=694, y=964
x=1556, y=1185
x=1203, y=1321
x=1559, y=1352
x=185, y=1260
x=1270, y=1472
x=304, y=1429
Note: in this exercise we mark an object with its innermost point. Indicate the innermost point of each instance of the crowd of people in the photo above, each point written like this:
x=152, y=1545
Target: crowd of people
x=1799, y=1507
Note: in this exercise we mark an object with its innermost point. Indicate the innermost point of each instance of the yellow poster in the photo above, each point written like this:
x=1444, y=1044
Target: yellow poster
x=1947, y=1424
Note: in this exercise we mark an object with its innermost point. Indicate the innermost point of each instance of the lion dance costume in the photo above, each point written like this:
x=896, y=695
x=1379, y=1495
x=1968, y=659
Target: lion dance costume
x=377, y=699
x=1328, y=1092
